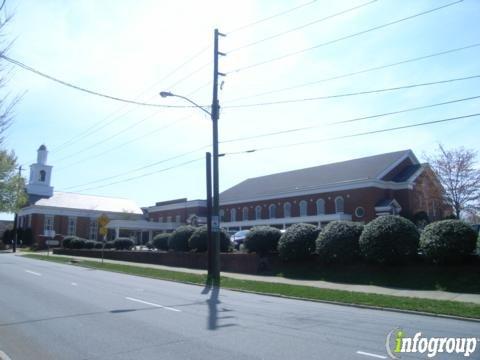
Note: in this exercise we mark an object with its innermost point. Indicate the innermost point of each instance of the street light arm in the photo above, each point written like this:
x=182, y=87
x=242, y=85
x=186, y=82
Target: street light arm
x=166, y=94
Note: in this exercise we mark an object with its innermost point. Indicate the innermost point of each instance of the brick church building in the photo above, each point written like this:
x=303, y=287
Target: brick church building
x=49, y=212
x=356, y=190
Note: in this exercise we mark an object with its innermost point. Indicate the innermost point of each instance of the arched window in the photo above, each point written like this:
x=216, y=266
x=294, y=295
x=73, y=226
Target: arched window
x=320, y=206
x=221, y=214
x=272, y=211
x=339, y=204
x=287, y=210
x=303, y=208
x=245, y=214
x=43, y=174
x=233, y=214
x=258, y=212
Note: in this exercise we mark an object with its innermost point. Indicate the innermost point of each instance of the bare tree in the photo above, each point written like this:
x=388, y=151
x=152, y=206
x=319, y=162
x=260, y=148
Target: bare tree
x=456, y=171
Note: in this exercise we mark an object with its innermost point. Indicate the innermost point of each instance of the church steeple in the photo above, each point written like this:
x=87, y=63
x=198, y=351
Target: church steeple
x=40, y=176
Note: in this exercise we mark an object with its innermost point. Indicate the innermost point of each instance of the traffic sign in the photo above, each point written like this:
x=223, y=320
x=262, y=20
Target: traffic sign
x=52, y=242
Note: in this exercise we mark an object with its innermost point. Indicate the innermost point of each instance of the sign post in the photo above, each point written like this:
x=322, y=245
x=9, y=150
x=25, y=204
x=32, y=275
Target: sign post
x=103, y=221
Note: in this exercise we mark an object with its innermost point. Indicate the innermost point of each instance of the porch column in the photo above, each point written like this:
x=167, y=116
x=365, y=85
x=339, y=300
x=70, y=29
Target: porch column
x=150, y=236
x=117, y=232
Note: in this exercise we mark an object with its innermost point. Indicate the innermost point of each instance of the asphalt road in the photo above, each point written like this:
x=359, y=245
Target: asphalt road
x=54, y=311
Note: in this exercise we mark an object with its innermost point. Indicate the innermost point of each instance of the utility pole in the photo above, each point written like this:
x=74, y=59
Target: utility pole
x=208, y=167
x=216, y=198
x=15, y=221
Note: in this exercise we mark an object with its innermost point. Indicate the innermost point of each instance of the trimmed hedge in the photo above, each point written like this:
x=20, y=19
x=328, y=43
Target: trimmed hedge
x=160, y=241
x=199, y=239
x=178, y=240
x=67, y=240
x=448, y=241
x=338, y=242
x=262, y=239
x=98, y=245
x=389, y=239
x=77, y=243
x=298, y=242
x=90, y=244
x=109, y=245
x=122, y=244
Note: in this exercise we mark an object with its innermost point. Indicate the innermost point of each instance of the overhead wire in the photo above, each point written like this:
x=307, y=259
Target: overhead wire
x=284, y=12
x=355, y=119
x=350, y=135
x=378, y=27
x=142, y=176
x=375, y=91
x=363, y=71
x=322, y=19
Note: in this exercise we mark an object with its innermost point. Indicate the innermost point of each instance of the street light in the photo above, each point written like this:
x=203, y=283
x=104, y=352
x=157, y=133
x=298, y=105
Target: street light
x=214, y=223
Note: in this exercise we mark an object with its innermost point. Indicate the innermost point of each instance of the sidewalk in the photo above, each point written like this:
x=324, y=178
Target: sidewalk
x=425, y=294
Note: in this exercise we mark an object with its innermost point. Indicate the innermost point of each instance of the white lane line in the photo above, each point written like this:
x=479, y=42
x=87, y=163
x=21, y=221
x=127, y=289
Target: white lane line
x=4, y=356
x=153, y=304
x=33, y=272
x=74, y=284
x=371, y=355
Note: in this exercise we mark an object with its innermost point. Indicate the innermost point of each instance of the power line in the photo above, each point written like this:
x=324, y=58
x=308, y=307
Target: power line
x=243, y=27
x=300, y=27
x=103, y=140
x=336, y=77
x=88, y=91
x=141, y=137
x=352, y=135
x=94, y=145
x=140, y=168
x=341, y=38
x=352, y=93
x=143, y=175
x=287, y=131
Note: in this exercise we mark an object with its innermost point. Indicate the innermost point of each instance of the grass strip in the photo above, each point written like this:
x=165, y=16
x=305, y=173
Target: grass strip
x=440, y=307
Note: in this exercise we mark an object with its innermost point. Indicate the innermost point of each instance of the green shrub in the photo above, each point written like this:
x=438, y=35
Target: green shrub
x=338, y=242
x=448, y=241
x=109, y=245
x=67, y=241
x=160, y=241
x=77, y=243
x=149, y=245
x=98, y=245
x=262, y=239
x=199, y=239
x=298, y=242
x=389, y=239
x=178, y=240
x=122, y=244
x=89, y=244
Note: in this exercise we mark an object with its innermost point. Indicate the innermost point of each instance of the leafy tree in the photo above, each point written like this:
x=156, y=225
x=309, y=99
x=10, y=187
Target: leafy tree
x=460, y=179
x=12, y=194
x=12, y=186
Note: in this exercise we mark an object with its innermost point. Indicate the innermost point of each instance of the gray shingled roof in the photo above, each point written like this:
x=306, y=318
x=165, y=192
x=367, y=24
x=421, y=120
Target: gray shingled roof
x=297, y=180
x=89, y=202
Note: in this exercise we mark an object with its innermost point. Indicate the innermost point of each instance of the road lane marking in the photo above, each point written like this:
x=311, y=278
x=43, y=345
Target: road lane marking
x=3, y=356
x=153, y=304
x=74, y=284
x=33, y=272
x=371, y=355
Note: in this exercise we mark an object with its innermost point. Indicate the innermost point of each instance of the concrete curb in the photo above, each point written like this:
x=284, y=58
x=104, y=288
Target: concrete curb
x=360, y=306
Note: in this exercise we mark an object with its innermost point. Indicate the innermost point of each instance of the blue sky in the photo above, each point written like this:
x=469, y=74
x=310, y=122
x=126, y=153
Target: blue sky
x=130, y=49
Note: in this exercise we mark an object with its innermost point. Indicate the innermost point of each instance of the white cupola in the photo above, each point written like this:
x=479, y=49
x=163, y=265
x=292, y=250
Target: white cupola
x=40, y=175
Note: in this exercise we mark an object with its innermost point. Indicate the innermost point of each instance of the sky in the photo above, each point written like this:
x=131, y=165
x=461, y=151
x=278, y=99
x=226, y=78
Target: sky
x=302, y=54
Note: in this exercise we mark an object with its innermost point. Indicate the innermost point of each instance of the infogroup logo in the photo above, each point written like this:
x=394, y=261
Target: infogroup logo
x=398, y=343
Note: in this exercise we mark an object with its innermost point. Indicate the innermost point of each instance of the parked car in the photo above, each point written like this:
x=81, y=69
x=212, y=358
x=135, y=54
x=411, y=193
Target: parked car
x=239, y=238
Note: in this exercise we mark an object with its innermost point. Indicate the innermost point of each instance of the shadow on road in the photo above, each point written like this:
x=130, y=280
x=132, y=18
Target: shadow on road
x=213, y=310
